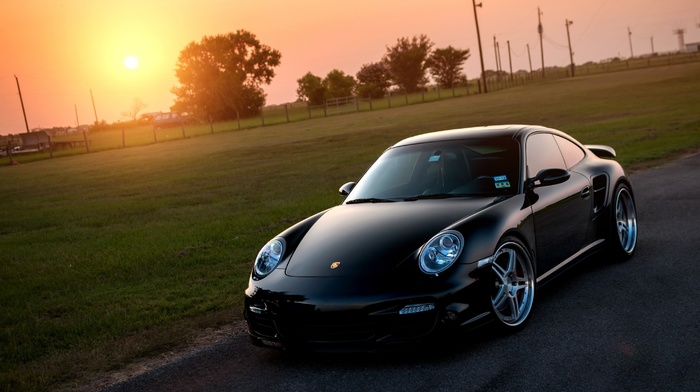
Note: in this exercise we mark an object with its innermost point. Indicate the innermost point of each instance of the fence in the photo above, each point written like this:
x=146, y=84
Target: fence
x=300, y=111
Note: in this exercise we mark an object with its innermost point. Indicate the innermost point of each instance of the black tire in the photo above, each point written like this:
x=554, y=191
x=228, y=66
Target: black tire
x=623, y=223
x=512, y=285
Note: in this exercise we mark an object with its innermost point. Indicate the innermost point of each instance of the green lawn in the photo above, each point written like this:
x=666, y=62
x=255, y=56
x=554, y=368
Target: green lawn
x=125, y=252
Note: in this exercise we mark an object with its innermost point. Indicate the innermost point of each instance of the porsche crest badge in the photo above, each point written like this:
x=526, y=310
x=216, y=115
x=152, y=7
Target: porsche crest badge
x=335, y=264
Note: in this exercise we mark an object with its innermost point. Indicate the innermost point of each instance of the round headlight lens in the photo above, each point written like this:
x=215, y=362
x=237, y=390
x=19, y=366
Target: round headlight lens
x=269, y=257
x=441, y=252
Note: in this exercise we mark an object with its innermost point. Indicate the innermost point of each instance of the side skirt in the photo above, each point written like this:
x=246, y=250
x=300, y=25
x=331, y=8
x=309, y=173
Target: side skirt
x=570, y=259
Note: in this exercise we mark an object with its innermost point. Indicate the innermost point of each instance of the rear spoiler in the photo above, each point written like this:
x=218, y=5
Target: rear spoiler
x=601, y=151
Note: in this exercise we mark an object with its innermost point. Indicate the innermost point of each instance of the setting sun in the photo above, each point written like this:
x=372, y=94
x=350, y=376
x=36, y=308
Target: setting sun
x=131, y=62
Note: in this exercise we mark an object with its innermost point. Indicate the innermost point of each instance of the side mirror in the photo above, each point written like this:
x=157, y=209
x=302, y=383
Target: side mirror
x=346, y=188
x=548, y=177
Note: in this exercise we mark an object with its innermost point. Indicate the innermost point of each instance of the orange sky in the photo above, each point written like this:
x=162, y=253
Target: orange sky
x=62, y=49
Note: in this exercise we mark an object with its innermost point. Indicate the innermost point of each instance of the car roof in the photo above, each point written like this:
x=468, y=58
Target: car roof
x=512, y=131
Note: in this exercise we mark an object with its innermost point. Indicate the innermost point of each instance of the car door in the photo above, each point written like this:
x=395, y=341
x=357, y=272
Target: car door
x=560, y=212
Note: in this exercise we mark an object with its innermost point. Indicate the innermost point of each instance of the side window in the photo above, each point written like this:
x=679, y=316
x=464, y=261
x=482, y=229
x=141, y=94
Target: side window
x=542, y=153
x=571, y=152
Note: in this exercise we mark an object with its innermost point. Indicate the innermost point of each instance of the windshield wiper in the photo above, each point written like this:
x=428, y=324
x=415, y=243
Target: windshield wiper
x=369, y=200
x=433, y=196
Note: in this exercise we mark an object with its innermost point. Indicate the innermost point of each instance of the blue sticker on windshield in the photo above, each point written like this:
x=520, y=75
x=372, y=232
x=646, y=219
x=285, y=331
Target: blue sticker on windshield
x=501, y=182
x=434, y=158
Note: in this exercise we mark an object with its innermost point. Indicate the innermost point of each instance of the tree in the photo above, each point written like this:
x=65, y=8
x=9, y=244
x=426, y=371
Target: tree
x=446, y=65
x=134, y=110
x=221, y=76
x=315, y=90
x=373, y=80
x=311, y=89
x=338, y=84
x=491, y=74
x=407, y=62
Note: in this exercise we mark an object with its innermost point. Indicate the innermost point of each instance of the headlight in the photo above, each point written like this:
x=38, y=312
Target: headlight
x=268, y=257
x=441, y=252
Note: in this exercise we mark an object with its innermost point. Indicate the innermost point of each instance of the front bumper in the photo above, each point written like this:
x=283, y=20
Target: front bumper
x=345, y=315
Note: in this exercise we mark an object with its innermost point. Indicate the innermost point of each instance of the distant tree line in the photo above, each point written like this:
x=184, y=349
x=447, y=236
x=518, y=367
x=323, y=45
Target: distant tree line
x=404, y=66
x=221, y=77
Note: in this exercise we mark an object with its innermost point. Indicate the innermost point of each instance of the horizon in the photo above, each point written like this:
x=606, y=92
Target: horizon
x=60, y=53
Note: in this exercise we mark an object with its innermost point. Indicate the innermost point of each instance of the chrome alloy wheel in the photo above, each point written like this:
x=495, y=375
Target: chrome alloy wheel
x=626, y=220
x=513, y=284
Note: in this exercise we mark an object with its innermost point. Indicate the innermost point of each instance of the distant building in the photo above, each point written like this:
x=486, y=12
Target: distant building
x=36, y=140
x=692, y=47
x=53, y=132
x=147, y=118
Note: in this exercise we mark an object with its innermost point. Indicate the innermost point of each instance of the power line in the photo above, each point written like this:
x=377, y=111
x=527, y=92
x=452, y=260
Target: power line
x=554, y=43
x=590, y=22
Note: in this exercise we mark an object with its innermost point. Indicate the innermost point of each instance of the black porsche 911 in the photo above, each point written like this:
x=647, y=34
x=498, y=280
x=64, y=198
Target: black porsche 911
x=445, y=230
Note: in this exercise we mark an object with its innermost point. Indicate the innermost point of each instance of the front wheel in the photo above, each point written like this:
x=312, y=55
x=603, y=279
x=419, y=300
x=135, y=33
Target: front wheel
x=623, y=223
x=513, y=284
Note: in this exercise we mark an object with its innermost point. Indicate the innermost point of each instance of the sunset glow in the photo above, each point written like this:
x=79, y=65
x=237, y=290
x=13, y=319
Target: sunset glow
x=131, y=62
x=60, y=51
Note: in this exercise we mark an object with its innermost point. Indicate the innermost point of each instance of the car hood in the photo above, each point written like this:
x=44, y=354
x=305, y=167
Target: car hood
x=373, y=238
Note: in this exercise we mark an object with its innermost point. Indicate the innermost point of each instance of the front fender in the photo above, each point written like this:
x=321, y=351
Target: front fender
x=483, y=230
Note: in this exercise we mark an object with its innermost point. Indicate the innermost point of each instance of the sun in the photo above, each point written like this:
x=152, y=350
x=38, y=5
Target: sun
x=131, y=62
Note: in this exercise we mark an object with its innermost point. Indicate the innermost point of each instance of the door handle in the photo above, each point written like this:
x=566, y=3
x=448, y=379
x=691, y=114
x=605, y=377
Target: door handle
x=586, y=192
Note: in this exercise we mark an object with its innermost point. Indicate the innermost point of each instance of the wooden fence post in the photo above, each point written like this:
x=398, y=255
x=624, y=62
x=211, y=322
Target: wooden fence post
x=286, y=112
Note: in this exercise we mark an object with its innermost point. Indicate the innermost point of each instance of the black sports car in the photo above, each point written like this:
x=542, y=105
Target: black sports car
x=445, y=229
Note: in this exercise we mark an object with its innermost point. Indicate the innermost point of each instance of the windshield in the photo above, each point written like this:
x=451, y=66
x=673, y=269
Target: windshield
x=472, y=167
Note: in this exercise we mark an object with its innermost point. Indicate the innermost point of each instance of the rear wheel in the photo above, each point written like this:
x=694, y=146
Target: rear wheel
x=623, y=223
x=513, y=284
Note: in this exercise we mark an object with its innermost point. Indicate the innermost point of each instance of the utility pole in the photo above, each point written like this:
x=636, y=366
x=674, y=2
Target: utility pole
x=21, y=101
x=495, y=54
x=529, y=59
x=500, y=64
x=681, y=39
x=478, y=37
x=93, y=107
x=510, y=62
x=571, y=52
x=629, y=34
x=652, y=45
x=77, y=122
x=540, y=30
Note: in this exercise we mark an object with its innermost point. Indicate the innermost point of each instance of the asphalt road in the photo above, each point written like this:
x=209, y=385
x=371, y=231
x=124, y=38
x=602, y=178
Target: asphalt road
x=603, y=326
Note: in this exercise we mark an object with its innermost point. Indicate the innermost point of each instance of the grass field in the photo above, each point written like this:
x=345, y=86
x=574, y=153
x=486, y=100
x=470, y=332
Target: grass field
x=117, y=254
